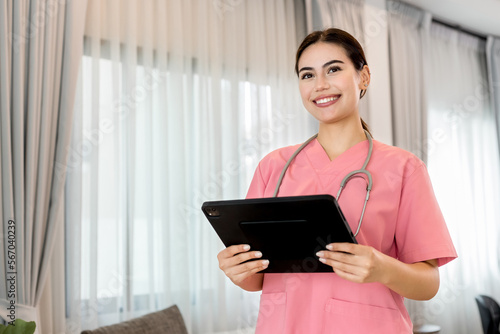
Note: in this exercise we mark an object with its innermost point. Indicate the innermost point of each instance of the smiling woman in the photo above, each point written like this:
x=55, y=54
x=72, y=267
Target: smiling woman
x=341, y=63
x=403, y=239
x=331, y=89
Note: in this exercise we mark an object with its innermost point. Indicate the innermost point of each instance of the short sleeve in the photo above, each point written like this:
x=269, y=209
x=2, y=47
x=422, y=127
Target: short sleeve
x=421, y=231
x=267, y=172
x=257, y=186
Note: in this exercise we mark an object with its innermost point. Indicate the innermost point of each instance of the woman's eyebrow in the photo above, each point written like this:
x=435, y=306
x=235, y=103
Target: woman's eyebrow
x=328, y=63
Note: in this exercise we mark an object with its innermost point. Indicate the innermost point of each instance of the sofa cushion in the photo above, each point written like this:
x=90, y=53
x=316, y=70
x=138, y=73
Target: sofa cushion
x=168, y=321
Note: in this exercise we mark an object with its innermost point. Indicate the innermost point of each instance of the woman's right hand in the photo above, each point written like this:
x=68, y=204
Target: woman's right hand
x=242, y=274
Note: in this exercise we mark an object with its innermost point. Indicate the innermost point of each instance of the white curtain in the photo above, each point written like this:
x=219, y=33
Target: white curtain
x=344, y=14
x=463, y=161
x=178, y=101
x=408, y=28
x=407, y=36
x=40, y=52
x=493, y=61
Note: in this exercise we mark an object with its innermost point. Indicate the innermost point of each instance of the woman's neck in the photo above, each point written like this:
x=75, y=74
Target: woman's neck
x=336, y=139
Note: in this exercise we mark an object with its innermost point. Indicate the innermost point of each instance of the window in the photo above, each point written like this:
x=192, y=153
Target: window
x=144, y=242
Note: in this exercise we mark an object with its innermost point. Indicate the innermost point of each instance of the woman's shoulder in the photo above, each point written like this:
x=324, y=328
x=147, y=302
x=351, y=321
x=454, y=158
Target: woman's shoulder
x=270, y=166
x=396, y=157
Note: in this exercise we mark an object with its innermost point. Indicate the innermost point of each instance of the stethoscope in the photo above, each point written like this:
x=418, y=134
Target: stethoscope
x=346, y=179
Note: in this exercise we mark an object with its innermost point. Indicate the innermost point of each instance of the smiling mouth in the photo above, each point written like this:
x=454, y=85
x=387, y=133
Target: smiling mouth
x=326, y=100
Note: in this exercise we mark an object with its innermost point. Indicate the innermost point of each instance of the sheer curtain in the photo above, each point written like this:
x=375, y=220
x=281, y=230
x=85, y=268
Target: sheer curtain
x=463, y=161
x=178, y=101
x=493, y=61
x=407, y=35
x=343, y=14
x=408, y=28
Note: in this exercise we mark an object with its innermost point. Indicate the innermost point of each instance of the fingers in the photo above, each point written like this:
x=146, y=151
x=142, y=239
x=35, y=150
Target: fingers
x=353, y=262
x=344, y=267
x=339, y=261
x=239, y=273
x=232, y=250
x=234, y=255
x=238, y=263
x=340, y=252
x=344, y=247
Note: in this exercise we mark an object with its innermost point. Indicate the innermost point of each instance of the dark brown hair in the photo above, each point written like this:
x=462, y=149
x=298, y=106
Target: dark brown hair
x=343, y=39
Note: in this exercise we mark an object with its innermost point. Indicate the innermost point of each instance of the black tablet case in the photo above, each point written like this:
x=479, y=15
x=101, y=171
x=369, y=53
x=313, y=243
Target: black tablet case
x=287, y=230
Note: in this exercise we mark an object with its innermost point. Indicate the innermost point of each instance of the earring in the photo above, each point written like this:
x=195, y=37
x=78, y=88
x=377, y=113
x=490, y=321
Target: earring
x=366, y=85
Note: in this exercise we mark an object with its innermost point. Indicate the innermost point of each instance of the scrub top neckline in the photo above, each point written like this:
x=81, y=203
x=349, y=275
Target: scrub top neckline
x=321, y=161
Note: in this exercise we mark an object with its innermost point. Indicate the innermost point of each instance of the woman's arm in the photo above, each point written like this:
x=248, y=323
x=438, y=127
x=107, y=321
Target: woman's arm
x=252, y=283
x=363, y=264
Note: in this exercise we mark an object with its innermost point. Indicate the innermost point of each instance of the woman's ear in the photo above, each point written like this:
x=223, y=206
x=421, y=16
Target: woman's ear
x=365, y=77
x=364, y=81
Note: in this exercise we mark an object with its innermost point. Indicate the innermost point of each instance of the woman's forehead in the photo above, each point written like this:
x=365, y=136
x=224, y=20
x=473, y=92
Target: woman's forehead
x=319, y=53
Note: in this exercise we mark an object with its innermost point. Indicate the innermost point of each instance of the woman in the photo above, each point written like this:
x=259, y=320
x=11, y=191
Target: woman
x=403, y=238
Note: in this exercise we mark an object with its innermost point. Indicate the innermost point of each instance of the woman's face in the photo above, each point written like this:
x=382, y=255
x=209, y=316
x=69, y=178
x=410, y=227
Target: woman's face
x=329, y=84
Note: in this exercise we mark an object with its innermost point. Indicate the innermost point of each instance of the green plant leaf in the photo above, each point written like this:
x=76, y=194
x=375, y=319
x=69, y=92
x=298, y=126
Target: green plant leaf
x=3, y=329
x=19, y=327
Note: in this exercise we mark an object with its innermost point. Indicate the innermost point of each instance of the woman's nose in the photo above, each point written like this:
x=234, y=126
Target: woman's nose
x=321, y=83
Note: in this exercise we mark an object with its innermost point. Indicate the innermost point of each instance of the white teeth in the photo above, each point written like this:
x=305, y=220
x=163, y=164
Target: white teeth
x=327, y=99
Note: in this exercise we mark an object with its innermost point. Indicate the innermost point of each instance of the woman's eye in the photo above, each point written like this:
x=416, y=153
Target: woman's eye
x=333, y=69
x=306, y=76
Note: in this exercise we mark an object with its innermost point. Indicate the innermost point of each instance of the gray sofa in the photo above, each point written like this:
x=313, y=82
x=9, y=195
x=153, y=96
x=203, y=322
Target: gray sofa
x=168, y=321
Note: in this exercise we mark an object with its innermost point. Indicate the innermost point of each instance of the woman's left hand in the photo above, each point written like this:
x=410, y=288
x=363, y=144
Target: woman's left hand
x=354, y=262
x=364, y=264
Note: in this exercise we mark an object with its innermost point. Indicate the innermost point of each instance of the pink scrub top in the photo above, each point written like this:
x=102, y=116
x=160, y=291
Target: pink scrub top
x=402, y=219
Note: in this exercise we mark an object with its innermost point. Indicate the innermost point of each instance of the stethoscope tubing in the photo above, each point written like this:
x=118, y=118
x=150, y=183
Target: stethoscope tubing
x=346, y=178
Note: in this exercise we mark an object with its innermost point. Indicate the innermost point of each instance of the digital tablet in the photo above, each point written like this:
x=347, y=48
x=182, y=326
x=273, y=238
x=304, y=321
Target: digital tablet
x=289, y=231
